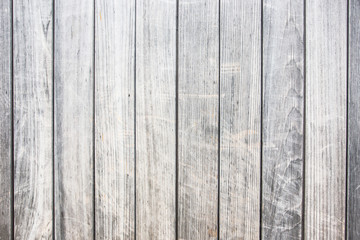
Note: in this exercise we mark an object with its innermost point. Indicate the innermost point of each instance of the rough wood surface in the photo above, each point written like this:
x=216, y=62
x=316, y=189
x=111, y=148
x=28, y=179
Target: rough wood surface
x=5, y=119
x=325, y=164
x=74, y=50
x=240, y=81
x=353, y=220
x=198, y=118
x=33, y=119
x=155, y=119
x=283, y=119
x=114, y=106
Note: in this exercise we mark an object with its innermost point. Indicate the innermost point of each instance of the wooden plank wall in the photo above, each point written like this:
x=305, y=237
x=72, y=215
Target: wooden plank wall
x=179, y=119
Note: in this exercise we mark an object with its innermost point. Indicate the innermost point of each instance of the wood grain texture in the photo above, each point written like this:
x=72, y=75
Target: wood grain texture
x=114, y=162
x=325, y=164
x=155, y=119
x=283, y=118
x=5, y=119
x=353, y=201
x=33, y=34
x=74, y=87
x=198, y=118
x=240, y=81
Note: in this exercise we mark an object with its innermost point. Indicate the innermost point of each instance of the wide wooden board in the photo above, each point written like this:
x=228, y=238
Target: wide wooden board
x=198, y=119
x=114, y=129
x=283, y=119
x=74, y=119
x=33, y=109
x=5, y=119
x=353, y=201
x=325, y=134
x=240, y=87
x=155, y=119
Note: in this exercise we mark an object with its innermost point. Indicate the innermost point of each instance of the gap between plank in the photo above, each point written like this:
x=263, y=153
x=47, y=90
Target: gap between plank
x=261, y=113
x=12, y=163
x=304, y=124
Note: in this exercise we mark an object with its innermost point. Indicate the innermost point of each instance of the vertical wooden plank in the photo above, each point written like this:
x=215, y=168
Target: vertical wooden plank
x=353, y=201
x=283, y=114
x=114, y=74
x=155, y=119
x=33, y=34
x=74, y=49
x=326, y=25
x=198, y=118
x=240, y=82
x=5, y=119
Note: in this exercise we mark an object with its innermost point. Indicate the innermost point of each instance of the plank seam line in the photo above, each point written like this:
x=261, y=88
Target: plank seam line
x=12, y=163
x=219, y=117
x=304, y=125
x=177, y=123
x=261, y=114
x=93, y=125
x=347, y=117
x=135, y=32
x=53, y=121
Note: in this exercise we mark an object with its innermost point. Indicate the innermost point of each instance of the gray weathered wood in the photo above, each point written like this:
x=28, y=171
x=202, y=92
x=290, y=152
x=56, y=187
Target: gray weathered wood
x=198, y=118
x=114, y=106
x=5, y=119
x=74, y=49
x=283, y=116
x=240, y=81
x=325, y=165
x=33, y=34
x=155, y=119
x=353, y=214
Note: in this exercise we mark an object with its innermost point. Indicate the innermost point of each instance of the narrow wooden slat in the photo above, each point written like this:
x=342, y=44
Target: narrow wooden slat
x=283, y=118
x=114, y=74
x=33, y=34
x=198, y=118
x=155, y=119
x=353, y=201
x=325, y=165
x=5, y=119
x=74, y=49
x=240, y=81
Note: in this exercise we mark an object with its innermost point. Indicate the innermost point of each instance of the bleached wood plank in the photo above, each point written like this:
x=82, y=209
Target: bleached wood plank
x=326, y=24
x=115, y=196
x=74, y=87
x=240, y=81
x=198, y=118
x=155, y=119
x=33, y=34
x=353, y=201
x=283, y=113
x=5, y=119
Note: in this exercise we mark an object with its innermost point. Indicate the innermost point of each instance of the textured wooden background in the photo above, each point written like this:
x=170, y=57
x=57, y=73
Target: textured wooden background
x=179, y=119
